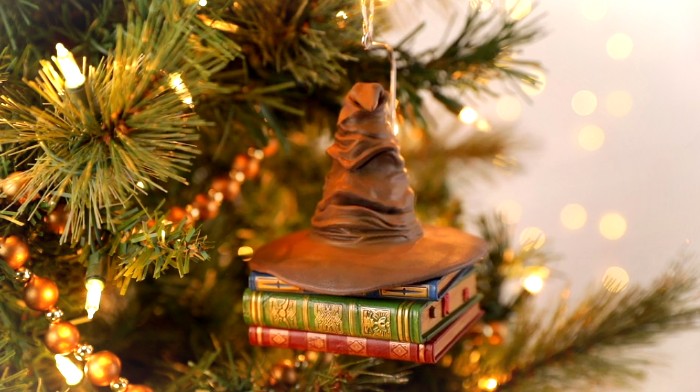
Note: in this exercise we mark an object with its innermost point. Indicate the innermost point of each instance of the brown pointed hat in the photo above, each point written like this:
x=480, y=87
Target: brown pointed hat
x=365, y=235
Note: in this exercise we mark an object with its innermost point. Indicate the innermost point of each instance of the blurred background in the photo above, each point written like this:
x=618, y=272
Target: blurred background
x=611, y=179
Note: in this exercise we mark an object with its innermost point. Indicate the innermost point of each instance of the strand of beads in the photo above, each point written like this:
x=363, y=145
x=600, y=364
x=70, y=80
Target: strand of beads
x=226, y=188
x=73, y=359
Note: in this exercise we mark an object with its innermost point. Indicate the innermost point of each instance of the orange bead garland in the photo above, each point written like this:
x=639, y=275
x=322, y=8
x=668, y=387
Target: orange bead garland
x=62, y=337
x=103, y=367
x=40, y=293
x=14, y=251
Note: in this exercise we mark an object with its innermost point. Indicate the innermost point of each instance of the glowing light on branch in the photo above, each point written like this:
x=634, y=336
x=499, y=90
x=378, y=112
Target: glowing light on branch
x=488, y=384
x=468, y=115
x=176, y=83
x=534, y=279
x=94, y=288
x=69, y=370
x=69, y=68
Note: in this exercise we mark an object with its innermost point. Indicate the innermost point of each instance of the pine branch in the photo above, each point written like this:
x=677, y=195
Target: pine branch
x=583, y=348
x=302, y=37
x=15, y=16
x=11, y=381
x=157, y=245
x=101, y=152
x=485, y=51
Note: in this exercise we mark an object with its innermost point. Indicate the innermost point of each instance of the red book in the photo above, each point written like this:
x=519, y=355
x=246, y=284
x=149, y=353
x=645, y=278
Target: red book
x=429, y=352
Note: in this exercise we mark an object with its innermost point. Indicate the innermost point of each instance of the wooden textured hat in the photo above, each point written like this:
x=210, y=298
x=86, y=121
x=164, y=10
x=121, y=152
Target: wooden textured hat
x=365, y=235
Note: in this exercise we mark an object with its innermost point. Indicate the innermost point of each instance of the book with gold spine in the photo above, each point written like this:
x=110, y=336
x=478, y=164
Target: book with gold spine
x=402, y=321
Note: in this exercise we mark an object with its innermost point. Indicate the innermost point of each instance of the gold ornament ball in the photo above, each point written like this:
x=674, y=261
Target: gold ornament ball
x=207, y=208
x=62, y=337
x=57, y=219
x=40, y=293
x=15, y=251
x=138, y=388
x=252, y=169
x=13, y=184
x=240, y=163
x=176, y=214
x=272, y=147
x=103, y=367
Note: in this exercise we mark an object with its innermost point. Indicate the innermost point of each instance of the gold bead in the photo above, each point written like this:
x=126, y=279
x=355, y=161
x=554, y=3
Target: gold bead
x=62, y=337
x=83, y=351
x=23, y=275
x=103, y=367
x=40, y=293
x=15, y=251
x=119, y=385
x=54, y=315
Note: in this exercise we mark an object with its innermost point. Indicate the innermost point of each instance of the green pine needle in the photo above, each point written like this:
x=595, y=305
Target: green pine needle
x=100, y=151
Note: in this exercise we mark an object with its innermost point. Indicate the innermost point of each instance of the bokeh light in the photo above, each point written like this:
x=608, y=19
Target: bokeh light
x=584, y=103
x=573, y=216
x=532, y=238
x=619, y=46
x=508, y=108
x=482, y=125
x=619, y=103
x=593, y=10
x=533, y=282
x=518, y=9
x=245, y=253
x=591, y=137
x=468, y=115
x=612, y=226
x=487, y=384
x=615, y=279
x=510, y=210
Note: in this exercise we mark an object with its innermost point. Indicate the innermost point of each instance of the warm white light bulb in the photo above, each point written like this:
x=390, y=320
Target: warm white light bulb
x=69, y=370
x=69, y=68
x=94, y=288
x=534, y=279
x=177, y=84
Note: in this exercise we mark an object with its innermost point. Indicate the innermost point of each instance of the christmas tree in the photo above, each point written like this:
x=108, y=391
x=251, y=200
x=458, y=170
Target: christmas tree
x=149, y=147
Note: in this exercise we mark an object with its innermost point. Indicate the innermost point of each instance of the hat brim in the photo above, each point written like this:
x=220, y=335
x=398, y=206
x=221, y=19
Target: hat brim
x=317, y=265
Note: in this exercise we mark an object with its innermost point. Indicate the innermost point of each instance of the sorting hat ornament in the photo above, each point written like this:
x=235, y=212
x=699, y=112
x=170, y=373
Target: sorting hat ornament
x=365, y=235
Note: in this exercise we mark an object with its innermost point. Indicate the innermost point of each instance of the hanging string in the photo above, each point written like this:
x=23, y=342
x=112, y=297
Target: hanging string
x=369, y=43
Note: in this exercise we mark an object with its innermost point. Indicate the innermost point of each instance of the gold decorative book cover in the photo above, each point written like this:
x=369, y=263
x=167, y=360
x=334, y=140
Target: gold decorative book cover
x=403, y=321
x=429, y=352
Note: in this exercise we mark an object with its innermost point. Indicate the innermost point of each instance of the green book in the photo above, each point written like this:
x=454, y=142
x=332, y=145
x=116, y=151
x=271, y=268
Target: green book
x=403, y=321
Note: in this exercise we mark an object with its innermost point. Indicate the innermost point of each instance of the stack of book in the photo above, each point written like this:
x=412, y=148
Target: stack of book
x=417, y=323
